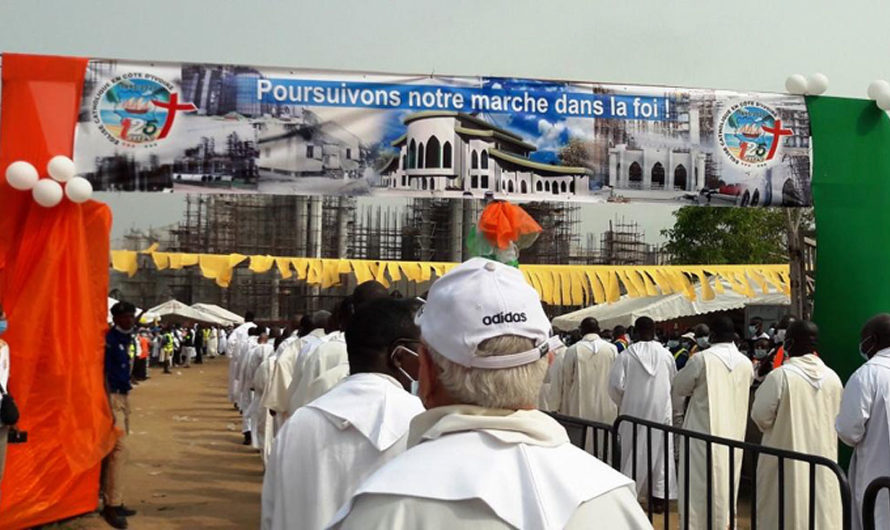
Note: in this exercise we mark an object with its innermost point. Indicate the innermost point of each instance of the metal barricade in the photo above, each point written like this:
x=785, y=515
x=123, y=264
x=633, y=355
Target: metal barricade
x=870, y=499
x=782, y=456
x=594, y=437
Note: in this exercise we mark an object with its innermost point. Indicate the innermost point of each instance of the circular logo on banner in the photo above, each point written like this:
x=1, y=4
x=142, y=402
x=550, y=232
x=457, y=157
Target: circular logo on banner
x=751, y=133
x=136, y=110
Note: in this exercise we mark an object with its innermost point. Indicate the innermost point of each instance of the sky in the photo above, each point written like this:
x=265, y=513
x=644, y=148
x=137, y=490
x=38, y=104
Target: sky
x=692, y=43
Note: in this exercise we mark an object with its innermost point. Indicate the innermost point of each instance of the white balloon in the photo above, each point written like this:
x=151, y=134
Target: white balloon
x=876, y=87
x=817, y=84
x=796, y=84
x=47, y=193
x=61, y=168
x=21, y=175
x=884, y=100
x=79, y=189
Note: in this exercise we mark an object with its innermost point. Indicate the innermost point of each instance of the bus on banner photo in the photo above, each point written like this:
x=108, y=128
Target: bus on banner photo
x=226, y=128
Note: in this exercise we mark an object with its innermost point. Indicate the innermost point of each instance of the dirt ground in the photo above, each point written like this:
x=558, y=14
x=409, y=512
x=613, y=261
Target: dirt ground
x=187, y=467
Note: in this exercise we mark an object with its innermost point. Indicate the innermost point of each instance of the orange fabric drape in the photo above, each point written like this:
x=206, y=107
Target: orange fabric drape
x=53, y=284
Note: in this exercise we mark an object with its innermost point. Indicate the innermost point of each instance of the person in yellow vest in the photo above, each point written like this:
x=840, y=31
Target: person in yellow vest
x=167, y=350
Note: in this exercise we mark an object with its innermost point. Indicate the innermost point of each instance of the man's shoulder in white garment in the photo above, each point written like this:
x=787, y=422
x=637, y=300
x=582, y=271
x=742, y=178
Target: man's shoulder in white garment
x=359, y=425
x=542, y=479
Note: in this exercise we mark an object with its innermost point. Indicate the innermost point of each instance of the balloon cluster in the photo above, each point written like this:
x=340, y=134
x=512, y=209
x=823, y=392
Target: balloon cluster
x=23, y=176
x=801, y=85
x=879, y=90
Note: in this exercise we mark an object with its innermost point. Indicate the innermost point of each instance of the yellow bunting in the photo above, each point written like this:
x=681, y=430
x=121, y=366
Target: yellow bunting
x=284, y=268
x=125, y=261
x=261, y=264
x=151, y=249
x=557, y=284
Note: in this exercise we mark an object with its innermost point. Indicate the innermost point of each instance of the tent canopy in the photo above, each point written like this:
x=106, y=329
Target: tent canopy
x=176, y=311
x=147, y=317
x=666, y=307
x=219, y=312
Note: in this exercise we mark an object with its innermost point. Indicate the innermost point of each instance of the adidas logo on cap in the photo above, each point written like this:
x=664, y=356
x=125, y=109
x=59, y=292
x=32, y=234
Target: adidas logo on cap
x=504, y=318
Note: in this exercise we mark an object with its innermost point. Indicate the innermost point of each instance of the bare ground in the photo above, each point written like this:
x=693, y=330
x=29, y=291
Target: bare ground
x=187, y=467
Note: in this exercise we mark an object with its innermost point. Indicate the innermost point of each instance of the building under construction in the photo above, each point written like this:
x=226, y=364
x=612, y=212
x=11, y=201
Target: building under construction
x=433, y=230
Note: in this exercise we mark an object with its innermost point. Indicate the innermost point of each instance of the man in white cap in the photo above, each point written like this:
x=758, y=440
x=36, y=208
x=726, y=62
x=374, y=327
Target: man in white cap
x=328, y=447
x=482, y=456
x=717, y=382
x=640, y=384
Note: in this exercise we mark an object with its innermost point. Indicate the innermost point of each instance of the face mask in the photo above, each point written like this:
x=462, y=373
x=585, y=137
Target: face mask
x=780, y=336
x=415, y=384
x=760, y=353
x=673, y=344
x=752, y=330
x=862, y=350
x=702, y=342
x=4, y=325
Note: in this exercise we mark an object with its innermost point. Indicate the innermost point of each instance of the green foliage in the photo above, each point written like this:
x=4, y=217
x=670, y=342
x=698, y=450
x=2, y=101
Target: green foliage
x=710, y=236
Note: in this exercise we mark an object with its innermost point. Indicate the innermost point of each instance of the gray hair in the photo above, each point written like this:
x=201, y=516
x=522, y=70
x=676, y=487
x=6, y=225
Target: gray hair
x=508, y=388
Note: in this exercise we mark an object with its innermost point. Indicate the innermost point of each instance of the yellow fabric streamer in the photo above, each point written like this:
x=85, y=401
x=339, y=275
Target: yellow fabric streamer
x=557, y=284
x=260, y=264
x=125, y=261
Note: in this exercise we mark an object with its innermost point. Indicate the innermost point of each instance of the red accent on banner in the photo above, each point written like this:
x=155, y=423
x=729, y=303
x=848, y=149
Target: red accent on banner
x=53, y=285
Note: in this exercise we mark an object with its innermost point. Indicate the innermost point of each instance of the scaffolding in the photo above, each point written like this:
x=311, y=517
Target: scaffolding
x=334, y=227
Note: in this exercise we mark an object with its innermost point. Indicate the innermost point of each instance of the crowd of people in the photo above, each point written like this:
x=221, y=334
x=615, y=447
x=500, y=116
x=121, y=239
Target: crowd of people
x=708, y=380
x=412, y=413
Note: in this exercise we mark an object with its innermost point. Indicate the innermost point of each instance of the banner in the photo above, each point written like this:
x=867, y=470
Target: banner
x=225, y=128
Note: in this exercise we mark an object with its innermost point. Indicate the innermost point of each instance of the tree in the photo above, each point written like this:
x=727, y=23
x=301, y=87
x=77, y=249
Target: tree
x=711, y=236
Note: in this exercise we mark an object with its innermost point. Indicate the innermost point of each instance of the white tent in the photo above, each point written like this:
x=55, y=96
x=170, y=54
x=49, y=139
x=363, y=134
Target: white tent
x=666, y=307
x=177, y=311
x=219, y=312
x=147, y=317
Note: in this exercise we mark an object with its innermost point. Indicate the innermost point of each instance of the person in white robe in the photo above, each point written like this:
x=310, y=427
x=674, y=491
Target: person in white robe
x=324, y=364
x=265, y=421
x=359, y=425
x=277, y=397
x=640, y=384
x=481, y=456
x=222, y=337
x=212, y=342
x=243, y=381
x=232, y=347
x=796, y=407
x=717, y=382
x=585, y=380
x=262, y=351
x=864, y=419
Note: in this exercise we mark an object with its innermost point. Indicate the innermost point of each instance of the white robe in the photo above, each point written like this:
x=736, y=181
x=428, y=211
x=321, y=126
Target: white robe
x=327, y=448
x=796, y=407
x=586, y=370
x=468, y=467
x=286, y=367
x=256, y=411
x=242, y=382
x=640, y=384
x=232, y=347
x=321, y=367
x=717, y=382
x=266, y=424
x=864, y=424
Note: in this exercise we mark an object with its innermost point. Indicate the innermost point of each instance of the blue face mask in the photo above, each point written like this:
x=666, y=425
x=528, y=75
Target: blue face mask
x=4, y=325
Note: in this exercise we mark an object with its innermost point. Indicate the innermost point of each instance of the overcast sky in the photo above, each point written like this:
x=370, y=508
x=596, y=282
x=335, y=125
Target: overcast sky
x=754, y=45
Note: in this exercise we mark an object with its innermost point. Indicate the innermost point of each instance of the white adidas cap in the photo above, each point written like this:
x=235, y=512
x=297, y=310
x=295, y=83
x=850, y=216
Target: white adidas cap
x=478, y=300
